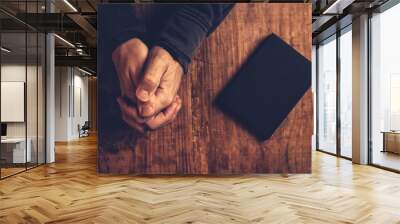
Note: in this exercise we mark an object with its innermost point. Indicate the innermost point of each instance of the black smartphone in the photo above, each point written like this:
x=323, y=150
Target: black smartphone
x=266, y=88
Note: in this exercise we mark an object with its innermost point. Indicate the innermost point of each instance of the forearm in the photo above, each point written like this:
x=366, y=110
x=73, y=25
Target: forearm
x=124, y=25
x=186, y=29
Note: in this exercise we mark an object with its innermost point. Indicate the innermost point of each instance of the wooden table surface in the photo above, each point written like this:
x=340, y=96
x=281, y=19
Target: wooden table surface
x=202, y=140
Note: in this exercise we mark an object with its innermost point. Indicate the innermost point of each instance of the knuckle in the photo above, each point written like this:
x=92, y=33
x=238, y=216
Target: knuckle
x=142, y=54
x=168, y=98
x=161, y=53
x=150, y=80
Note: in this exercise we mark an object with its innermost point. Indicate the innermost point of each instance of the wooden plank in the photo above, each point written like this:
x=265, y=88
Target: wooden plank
x=71, y=191
x=202, y=140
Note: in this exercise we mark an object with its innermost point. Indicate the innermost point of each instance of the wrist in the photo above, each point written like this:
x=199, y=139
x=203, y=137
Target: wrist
x=133, y=46
x=182, y=59
x=166, y=55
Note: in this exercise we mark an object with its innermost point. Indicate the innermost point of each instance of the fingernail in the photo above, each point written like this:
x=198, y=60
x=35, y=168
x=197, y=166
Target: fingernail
x=147, y=110
x=143, y=94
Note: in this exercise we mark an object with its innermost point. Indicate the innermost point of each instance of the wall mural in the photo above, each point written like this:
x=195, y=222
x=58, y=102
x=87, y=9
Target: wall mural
x=204, y=88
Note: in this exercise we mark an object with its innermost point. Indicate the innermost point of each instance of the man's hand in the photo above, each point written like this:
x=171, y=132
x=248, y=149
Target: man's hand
x=159, y=85
x=166, y=116
x=129, y=59
x=156, y=101
x=131, y=117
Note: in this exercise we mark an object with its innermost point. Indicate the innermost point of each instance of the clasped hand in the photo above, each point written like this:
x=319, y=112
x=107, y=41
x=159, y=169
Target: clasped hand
x=151, y=79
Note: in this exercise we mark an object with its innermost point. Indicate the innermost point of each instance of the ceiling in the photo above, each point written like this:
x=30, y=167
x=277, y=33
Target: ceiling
x=76, y=22
x=332, y=15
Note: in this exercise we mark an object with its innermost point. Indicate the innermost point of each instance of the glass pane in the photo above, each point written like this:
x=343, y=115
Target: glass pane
x=32, y=87
x=346, y=94
x=23, y=82
x=327, y=96
x=31, y=97
x=385, y=84
x=13, y=88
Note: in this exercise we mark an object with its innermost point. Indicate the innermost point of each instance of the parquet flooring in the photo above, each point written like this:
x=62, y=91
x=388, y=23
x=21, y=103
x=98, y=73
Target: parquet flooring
x=71, y=191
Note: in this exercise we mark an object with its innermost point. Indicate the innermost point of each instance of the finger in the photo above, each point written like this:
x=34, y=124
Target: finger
x=130, y=121
x=122, y=70
x=134, y=75
x=162, y=118
x=158, y=102
x=155, y=69
x=126, y=87
x=165, y=93
x=129, y=101
x=134, y=125
x=165, y=117
x=129, y=112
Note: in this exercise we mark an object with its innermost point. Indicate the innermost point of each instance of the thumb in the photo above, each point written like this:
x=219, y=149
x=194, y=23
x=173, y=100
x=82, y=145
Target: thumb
x=151, y=79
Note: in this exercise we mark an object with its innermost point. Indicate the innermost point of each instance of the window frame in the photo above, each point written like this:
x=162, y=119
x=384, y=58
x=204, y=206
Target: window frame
x=334, y=37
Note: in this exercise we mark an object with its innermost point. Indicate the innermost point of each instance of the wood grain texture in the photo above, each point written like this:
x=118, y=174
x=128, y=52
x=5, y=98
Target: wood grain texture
x=71, y=191
x=202, y=140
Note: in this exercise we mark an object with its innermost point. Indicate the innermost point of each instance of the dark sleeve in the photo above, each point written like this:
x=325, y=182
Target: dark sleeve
x=123, y=24
x=188, y=26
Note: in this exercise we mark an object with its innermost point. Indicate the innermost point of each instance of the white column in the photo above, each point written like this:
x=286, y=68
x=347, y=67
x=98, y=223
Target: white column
x=50, y=99
x=314, y=88
x=50, y=92
x=360, y=90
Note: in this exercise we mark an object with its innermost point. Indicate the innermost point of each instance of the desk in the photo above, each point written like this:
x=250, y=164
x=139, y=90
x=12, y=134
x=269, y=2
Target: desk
x=391, y=141
x=13, y=150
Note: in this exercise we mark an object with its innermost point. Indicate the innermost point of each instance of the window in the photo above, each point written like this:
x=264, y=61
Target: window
x=334, y=94
x=22, y=77
x=346, y=92
x=385, y=89
x=327, y=95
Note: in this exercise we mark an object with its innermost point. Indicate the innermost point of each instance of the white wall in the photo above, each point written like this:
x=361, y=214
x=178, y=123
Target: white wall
x=71, y=93
x=80, y=109
x=61, y=103
x=16, y=72
x=33, y=127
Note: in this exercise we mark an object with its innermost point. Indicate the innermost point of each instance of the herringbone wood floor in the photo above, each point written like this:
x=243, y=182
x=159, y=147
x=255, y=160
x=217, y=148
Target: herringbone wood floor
x=70, y=191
